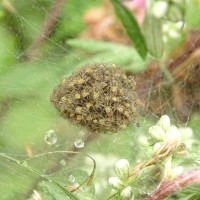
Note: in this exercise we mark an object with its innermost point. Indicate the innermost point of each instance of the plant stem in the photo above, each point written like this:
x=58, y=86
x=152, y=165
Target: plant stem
x=168, y=188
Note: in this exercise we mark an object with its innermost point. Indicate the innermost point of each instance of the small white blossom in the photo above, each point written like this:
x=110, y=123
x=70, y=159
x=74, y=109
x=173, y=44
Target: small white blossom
x=157, y=133
x=186, y=136
x=127, y=194
x=122, y=168
x=159, y=9
x=167, y=165
x=165, y=27
x=174, y=33
x=157, y=146
x=164, y=122
x=186, y=132
x=173, y=134
x=179, y=24
x=176, y=172
x=116, y=183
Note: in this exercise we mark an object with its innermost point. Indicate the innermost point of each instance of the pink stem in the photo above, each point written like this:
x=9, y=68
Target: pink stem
x=167, y=189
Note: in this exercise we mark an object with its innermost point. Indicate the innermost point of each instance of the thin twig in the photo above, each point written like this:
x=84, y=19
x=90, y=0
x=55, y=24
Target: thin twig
x=167, y=189
x=163, y=152
x=47, y=29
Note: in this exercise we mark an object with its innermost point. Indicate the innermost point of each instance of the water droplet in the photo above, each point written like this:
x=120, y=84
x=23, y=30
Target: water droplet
x=50, y=137
x=63, y=162
x=79, y=143
x=71, y=179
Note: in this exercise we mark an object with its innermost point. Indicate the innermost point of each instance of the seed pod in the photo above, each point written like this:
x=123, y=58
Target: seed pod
x=95, y=97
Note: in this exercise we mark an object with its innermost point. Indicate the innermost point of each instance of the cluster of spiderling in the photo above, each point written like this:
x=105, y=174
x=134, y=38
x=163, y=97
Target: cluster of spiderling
x=98, y=97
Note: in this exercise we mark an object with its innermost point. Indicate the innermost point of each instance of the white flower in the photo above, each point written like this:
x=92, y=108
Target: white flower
x=159, y=9
x=167, y=165
x=164, y=122
x=176, y=172
x=157, y=133
x=116, y=183
x=157, y=146
x=122, y=168
x=186, y=136
x=127, y=194
x=186, y=132
x=173, y=134
x=174, y=34
x=165, y=27
x=179, y=24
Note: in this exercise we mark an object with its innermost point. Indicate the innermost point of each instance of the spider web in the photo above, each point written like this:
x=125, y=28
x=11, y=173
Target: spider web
x=30, y=126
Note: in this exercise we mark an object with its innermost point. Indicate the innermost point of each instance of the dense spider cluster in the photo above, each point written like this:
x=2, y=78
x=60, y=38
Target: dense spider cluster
x=98, y=97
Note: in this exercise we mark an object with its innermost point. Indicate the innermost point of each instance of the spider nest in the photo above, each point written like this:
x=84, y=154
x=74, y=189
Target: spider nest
x=98, y=97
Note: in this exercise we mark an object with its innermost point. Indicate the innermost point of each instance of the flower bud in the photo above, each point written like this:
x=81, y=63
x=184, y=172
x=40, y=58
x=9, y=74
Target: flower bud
x=164, y=122
x=175, y=34
x=159, y=9
x=157, y=146
x=176, y=172
x=127, y=194
x=186, y=136
x=157, y=133
x=186, y=133
x=116, y=183
x=175, y=13
x=122, y=168
x=173, y=134
x=167, y=167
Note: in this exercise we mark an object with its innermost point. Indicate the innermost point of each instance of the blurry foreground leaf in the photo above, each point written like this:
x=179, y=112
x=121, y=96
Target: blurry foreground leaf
x=57, y=188
x=124, y=56
x=153, y=35
x=54, y=191
x=131, y=26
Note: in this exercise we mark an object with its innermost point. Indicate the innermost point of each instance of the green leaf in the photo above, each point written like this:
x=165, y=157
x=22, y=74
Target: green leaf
x=55, y=192
x=131, y=26
x=108, y=52
x=153, y=35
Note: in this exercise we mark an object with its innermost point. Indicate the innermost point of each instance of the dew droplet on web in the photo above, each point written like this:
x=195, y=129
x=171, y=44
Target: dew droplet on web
x=50, y=137
x=79, y=143
x=63, y=162
x=71, y=179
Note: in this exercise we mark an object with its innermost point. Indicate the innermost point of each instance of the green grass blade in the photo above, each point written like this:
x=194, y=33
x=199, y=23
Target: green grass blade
x=131, y=26
x=25, y=165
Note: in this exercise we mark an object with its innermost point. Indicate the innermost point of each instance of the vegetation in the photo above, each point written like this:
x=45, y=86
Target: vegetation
x=43, y=156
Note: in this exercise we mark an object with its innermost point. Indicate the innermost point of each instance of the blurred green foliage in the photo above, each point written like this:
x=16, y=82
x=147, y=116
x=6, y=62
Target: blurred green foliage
x=25, y=86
